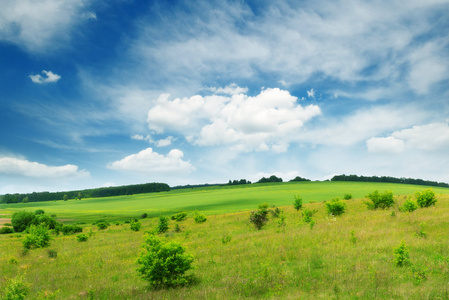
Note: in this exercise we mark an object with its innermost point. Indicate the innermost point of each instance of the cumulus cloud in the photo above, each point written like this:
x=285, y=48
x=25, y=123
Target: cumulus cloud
x=434, y=136
x=22, y=167
x=48, y=77
x=231, y=89
x=267, y=121
x=39, y=25
x=150, y=162
x=311, y=93
x=388, y=145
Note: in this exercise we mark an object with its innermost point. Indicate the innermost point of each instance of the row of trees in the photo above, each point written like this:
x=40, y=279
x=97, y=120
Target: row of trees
x=388, y=179
x=89, y=193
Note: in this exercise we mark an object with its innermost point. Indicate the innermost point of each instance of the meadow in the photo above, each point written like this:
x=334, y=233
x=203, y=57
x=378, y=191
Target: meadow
x=345, y=257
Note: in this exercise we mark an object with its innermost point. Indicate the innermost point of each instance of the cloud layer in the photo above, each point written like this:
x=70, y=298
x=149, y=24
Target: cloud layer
x=48, y=77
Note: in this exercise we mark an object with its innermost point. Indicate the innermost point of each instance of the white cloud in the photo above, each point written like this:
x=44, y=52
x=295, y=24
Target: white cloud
x=39, y=26
x=432, y=137
x=48, y=77
x=149, y=162
x=22, y=167
x=388, y=145
x=165, y=142
x=231, y=89
x=311, y=93
x=267, y=121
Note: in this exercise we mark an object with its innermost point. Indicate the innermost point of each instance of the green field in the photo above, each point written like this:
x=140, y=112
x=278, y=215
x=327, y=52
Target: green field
x=345, y=257
x=209, y=200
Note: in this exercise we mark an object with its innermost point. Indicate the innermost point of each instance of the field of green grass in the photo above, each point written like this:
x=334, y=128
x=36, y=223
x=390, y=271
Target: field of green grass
x=345, y=257
x=209, y=200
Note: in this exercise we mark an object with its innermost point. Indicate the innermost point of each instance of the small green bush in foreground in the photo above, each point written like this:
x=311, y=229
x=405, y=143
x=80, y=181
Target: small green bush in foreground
x=402, y=255
x=409, y=205
x=199, y=218
x=6, y=230
x=335, y=207
x=82, y=237
x=164, y=264
x=163, y=224
x=16, y=289
x=179, y=216
x=297, y=204
x=135, y=225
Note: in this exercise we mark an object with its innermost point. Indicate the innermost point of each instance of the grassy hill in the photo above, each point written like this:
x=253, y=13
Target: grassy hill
x=345, y=257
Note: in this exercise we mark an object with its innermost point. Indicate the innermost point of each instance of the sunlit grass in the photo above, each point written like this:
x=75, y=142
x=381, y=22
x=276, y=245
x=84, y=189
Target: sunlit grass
x=345, y=257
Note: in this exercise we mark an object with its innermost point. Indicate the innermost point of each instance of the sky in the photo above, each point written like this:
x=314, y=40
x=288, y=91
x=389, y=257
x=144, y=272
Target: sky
x=105, y=93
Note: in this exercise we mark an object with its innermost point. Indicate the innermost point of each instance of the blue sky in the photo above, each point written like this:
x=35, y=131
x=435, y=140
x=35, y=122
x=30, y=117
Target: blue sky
x=101, y=93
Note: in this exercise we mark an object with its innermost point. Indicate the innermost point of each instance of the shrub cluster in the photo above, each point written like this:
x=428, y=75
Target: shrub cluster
x=69, y=229
x=6, y=230
x=135, y=225
x=163, y=224
x=38, y=237
x=259, y=217
x=199, y=218
x=297, y=204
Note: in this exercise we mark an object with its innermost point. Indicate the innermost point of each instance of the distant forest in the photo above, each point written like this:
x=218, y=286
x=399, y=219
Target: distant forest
x=90, y=193
x=388, y=179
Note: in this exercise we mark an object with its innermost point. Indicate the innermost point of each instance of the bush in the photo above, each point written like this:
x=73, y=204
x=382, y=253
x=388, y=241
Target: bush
x=70, y=229
x=16, y=289
x=307, y=215
x=21, y=220
x=49, y=222
x=164, y=264
x=347, y=196
x=38, y=237
x=335, y=207
x=179, y=216
x=102, y=225
x=402, y=255
x=425, y=198
x=144, y=215
x=52, y=253
x=378, y=200
x=259, y=217
x=39, y=212
x=409, y=205
x=82, y=237
x=135, y=226
x=199, y=218
x=163, y=224
x=276, y=212
x=297, y=204
x=6, y=230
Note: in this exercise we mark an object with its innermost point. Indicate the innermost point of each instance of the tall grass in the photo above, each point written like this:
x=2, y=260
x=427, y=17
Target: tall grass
x=292, y=262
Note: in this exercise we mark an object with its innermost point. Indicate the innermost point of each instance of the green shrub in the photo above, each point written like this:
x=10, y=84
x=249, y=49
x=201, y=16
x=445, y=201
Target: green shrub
x=164, y=264
x=402, y=255
x=48, y=221
x=379, y=200
x=6, y=230
x=199, y=218
x=179, y=216
x=307, y=214
x=135, y=226
x=21, y=220
x=226, y=239
x=163, y=224
x=281, y=220
x=82, y=237
x=335, y=207
x=297, y=204
x=347, y=196
x=177, y=228
x=259, y=217
x=70, y=229
x=276, y=211
x=144, y=215
x=409, y=205
x=425, y=198
x=38, y=237
x=102, y=225
x=16, y=289
x=52, y=253
x=39, y=212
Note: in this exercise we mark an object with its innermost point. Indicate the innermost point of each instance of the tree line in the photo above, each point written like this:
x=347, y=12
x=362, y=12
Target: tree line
x=88, y=193
x=388, y=179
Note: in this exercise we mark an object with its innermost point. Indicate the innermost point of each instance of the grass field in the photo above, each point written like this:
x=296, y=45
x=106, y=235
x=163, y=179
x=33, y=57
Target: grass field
x=209, y=200
x=345, y=257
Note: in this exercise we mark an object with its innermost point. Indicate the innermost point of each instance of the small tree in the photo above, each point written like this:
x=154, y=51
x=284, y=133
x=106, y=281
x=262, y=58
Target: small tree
x=409, y=205
x=16, y=289
x=297, y=204
x=65, y=198
x=39, y=212
x=199, y=218
x=164, y=264
x=80, y=196
x=25, y=200
x=259, y=217
x=425, y=198
x=402, y=255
